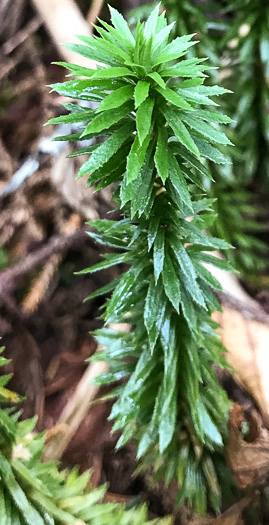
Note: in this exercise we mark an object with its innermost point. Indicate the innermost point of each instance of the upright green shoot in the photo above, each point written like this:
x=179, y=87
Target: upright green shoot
x=159, y=123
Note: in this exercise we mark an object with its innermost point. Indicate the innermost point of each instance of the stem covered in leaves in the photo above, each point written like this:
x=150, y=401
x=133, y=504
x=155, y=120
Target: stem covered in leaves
x=158, y=124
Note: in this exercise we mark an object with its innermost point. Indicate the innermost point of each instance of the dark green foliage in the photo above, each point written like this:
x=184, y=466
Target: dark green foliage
x=36, y=493
x=152, y=112
x=245, y=45
x=237, y=223
x=247, y=42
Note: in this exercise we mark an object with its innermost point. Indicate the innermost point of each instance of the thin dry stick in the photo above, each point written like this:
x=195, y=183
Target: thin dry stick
x=73, y=413
x=10, y=277
x=10, y=64
x=21, y=36
x=94, y=11
x=42, y=282
x=76, y=408
x=38, y=289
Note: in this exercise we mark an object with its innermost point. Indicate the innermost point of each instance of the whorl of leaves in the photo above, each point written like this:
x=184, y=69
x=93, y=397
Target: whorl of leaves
x=36, y=493
x=159, y=125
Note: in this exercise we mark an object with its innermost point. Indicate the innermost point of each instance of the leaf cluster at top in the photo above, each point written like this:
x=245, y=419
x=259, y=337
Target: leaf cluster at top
x=144, y=102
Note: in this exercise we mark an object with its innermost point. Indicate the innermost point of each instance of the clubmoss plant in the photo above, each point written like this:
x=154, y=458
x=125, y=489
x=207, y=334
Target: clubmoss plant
x=36, y=493
x=159, y=126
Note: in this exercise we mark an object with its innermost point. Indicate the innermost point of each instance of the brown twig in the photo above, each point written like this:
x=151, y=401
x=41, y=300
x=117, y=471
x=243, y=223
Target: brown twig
x=21, y=36
x=41, y=284
x=10, y=277
x=11, y=15
x=248, y=310
x=74, y=412
x=10, y=64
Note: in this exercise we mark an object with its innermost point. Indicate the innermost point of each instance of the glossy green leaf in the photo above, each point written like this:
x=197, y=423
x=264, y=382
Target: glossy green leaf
x=121, y=25
x=211, y=153
x=151, y=23
x=136, y=158
x=106, y=150
x=178, y=180
x=161, y=153
x=157, y=78
x=76, y=69
x=112, y=72
x=141, y=92
x=172, y=96
x=168, y=421
x=188, y=308
x=186, y=266
x=80, y=116
x=206, y=130
x=105, y=47
x=180, y=130
x=158, y=253
x=105, y=120
x=161, y=38
x=143, y=119
x=174, y=50
x=209, y=429
x=186, y=68
x=206, y=276
x=153, y=305
x=117, y=98
x=93, y=54
x=213, y=116
x=143, y=194
x=29, y=513
x=212, y=480
x=153, y=229
x=79, y=89
x=110, y=260
x=171, y=282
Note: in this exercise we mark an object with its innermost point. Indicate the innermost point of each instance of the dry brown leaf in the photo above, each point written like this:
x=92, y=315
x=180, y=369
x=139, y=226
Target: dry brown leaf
x=249, y=460
x=247, y=342
x=227, y=519
x=232, y=516
x=25, y=366
x=110, y=497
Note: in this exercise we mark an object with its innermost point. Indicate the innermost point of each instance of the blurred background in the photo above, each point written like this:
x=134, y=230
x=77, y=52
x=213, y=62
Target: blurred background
x=44, y=321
